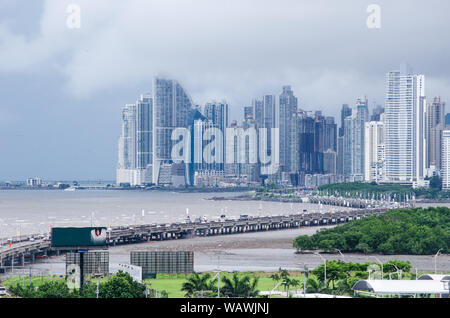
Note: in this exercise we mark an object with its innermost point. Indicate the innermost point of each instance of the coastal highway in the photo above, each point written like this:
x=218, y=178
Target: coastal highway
x=26, y=248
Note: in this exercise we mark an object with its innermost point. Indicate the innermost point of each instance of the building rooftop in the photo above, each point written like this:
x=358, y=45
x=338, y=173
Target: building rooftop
x=402, y=287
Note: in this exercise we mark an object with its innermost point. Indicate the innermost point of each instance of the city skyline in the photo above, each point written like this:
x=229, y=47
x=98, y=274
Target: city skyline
x=400, y=143
x=137, y=116
x=61, y=98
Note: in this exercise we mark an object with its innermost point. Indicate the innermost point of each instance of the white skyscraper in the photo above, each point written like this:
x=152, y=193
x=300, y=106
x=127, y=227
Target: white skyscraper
x=126, y=167
x=145, y=144
x=445, y=160
x=405, y=126
x=171, y=107
x=374, y=156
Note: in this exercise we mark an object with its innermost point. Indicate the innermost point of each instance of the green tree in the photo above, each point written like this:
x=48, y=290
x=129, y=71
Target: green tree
x=24, y=292
x=436, y=183
x=196, y=283
x=121, y=285
x=237, y=286
x=335, y=270
x=313, y=285
x=363, y=247
x=393, y=265
x=287, y=282
x=54, y=289
x=303, y=242
x=405, y=231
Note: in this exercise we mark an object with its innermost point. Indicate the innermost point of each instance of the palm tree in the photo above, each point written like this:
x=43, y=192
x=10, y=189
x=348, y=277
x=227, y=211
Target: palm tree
x=239, y=287
x=287, y=281
x=313, y=285
x=196, y=283
x=276, y=278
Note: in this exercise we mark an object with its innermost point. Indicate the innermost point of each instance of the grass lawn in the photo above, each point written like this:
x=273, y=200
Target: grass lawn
x=172, y=283
x=25, y=280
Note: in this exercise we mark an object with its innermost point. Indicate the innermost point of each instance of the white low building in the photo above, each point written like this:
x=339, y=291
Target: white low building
x=403, y=287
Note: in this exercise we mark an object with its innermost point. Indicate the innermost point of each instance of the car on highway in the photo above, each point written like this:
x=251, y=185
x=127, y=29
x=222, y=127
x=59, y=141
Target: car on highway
x=3, y=291
x=198, y=220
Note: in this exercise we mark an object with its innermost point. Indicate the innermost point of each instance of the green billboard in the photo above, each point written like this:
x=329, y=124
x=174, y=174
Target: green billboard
x=78, y=236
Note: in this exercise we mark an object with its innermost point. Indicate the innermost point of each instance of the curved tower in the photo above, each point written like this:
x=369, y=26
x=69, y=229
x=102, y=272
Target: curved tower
x=171, y=107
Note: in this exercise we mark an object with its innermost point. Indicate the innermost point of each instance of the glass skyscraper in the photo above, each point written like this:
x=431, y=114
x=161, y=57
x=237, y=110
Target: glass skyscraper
x=359, y=117
x=171, y=108
x=285, y=110
x=144, y=132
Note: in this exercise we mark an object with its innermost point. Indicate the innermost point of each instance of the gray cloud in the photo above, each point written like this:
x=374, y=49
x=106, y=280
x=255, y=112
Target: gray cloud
x=236, y=50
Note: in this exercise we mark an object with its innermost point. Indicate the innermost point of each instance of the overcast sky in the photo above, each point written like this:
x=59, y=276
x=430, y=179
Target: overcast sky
x=62, y=89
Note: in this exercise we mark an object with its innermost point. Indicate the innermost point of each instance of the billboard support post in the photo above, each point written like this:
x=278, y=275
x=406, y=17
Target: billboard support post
x=81, y=270
x=80, y=240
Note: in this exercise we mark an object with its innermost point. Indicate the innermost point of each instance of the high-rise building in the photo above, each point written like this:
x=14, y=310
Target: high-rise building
x=404, y=126
x=269, y=117
x=258, y=112
x=248, y=113
x=329, y=161
x=347, y=147
x=171, y=109
x=127, y=140
x=313, y=143
x=342, y=143
x=345, y=112
x=435, y=124
x=145, y=146
x=447, y=120
x=241, y=153
x=203, y=161
x=330, y=134
x=304, y=156
x=218, y=114
x=285, y=110
x=135, y=143
x=360, y=115
x=374, y=151
x=340, y=156
x=144, y=132
x=445, y=160
x=376, y=113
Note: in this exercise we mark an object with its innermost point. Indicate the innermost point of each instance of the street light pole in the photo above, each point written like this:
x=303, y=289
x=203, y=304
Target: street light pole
x=343, y=257
x=381, y=263
x=218, y=271
x=325, y=263
x=97, y=290
x=305, y=268
x=399, y=272
x=435, y=257
x=218, y=277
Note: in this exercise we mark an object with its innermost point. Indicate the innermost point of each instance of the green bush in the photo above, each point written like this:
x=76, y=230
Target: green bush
x=405, y=231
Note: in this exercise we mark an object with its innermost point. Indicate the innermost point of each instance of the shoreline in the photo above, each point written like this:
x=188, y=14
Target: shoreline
x=255, y=251
x=244, y=197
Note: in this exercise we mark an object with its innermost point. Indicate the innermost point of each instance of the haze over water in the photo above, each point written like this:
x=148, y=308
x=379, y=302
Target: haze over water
x=34, y=211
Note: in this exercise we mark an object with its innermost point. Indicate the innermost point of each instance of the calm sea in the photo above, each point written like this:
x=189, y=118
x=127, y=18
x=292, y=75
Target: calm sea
x=35, y=211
